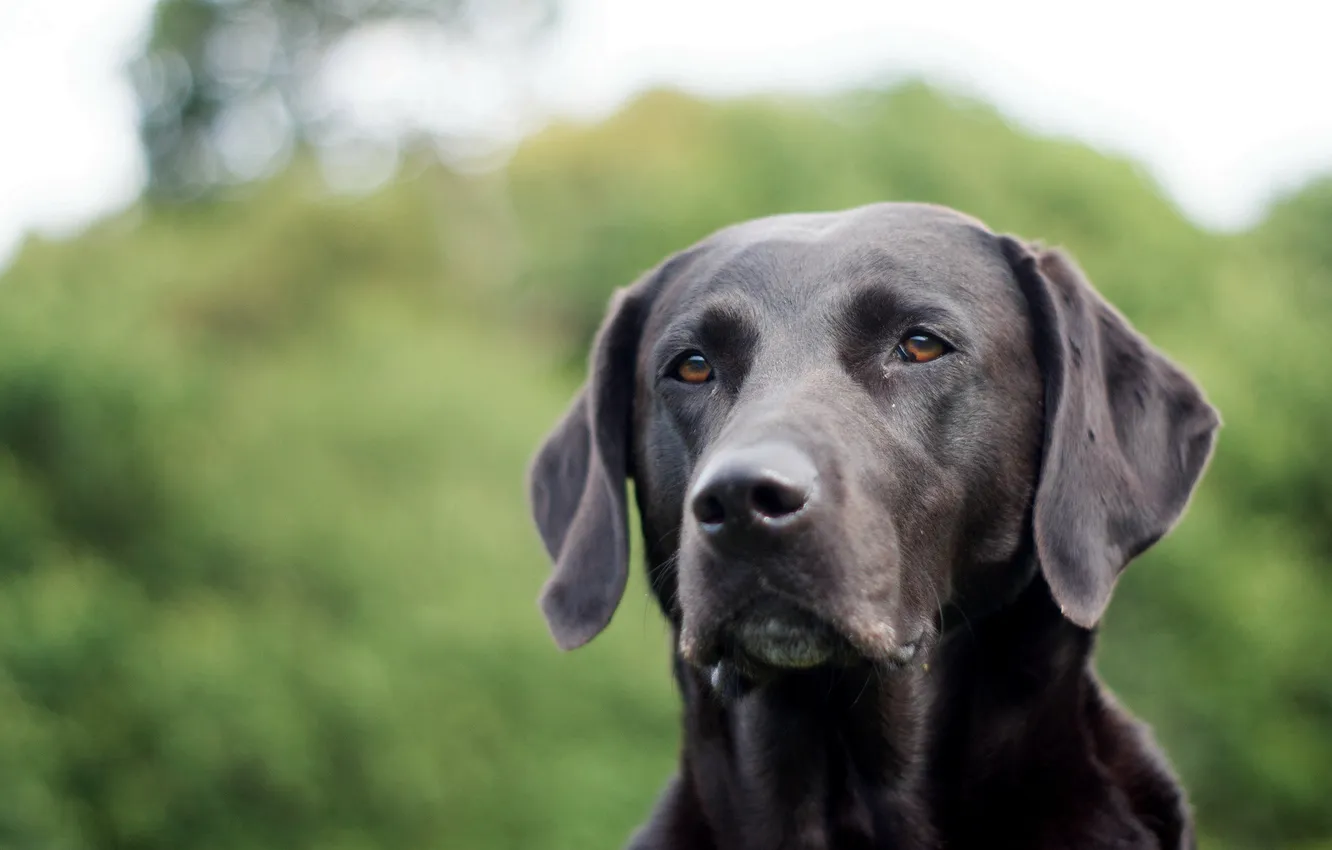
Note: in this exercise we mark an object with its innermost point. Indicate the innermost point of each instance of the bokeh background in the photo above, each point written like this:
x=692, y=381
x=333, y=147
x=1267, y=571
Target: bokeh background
x=291, y=290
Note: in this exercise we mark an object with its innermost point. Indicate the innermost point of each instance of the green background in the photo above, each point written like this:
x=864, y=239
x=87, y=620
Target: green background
x=266, y=574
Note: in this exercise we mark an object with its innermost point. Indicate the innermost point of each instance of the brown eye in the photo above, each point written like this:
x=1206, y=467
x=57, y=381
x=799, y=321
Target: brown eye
x=694, y=369
x=922, y=348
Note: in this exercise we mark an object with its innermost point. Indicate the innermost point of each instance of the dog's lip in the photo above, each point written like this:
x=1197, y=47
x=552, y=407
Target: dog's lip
x=787, y=639
x=783, y=636
x=780, y=635
x=907, y=651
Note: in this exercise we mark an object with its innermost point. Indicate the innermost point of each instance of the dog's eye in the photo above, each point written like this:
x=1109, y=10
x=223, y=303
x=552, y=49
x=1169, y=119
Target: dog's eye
x=693, y=368
x=922, y=348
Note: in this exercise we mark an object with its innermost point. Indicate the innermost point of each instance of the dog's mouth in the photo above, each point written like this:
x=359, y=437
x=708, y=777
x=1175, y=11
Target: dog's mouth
x=775, y=637
x=787, y=638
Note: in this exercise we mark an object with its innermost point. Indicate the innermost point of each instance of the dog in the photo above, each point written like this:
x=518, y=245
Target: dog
x=889, y=465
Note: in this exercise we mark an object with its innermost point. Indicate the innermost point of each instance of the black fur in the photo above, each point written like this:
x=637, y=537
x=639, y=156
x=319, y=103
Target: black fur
x=883, y=576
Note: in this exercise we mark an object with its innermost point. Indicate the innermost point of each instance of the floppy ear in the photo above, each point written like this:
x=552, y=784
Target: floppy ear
x=1127, y=435
x=577, y=483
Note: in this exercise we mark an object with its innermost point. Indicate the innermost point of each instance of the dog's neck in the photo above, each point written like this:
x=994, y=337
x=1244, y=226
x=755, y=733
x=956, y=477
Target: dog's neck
x=998, y=719
x=1011, y=732
x=1025, y=743
x=824, y=759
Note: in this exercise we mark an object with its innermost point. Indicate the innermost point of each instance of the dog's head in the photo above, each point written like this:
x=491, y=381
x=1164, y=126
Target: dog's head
x=839, y=424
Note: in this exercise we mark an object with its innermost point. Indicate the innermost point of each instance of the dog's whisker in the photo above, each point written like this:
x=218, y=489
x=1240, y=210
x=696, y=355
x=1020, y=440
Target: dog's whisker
x=872, y=674
x=656, y=575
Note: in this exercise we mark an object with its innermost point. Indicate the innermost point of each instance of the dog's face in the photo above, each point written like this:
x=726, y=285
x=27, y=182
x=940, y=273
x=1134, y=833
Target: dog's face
x=835, y=418
x=839, y=423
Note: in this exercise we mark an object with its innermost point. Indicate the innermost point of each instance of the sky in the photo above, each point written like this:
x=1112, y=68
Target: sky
x=1225, y=105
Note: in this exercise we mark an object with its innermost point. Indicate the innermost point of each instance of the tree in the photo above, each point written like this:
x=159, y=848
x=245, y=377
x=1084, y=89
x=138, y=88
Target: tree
x=226, y=88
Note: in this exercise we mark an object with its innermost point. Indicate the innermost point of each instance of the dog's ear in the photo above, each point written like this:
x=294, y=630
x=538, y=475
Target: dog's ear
x=1127, y=435
x=577, y=481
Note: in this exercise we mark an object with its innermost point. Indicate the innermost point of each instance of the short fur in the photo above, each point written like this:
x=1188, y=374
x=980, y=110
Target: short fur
x=944, y=539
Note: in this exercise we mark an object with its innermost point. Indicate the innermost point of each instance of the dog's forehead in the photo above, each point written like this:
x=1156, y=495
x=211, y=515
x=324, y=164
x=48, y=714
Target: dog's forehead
x=804, y=259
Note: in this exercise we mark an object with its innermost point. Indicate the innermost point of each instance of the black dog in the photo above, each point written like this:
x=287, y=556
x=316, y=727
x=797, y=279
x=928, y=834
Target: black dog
x=889, y=465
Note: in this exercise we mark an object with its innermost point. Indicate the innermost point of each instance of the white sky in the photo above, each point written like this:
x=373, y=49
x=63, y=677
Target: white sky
x=1224, y=104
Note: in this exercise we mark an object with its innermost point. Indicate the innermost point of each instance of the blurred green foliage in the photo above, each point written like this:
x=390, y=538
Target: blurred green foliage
x=266, y=574
x=227, y=88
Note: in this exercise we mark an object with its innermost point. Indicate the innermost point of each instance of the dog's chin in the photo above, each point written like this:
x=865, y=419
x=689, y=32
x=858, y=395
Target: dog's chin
x=787, y=641
x=778, y=639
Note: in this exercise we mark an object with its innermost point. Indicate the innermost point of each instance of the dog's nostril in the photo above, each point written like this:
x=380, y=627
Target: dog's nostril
x=709, y=511
x=774, y=500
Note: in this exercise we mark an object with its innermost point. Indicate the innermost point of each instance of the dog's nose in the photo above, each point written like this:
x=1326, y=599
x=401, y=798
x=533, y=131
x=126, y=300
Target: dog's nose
x=757, y=487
